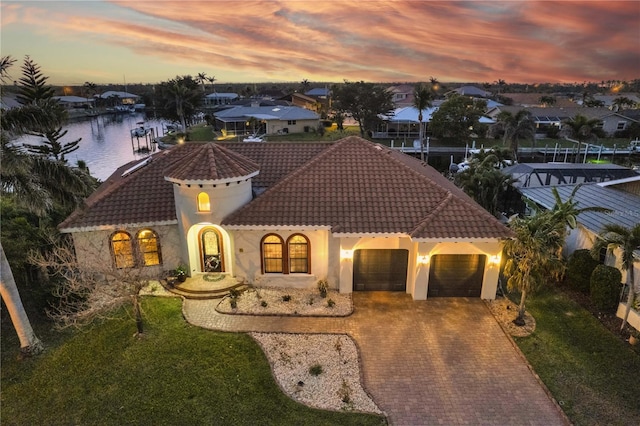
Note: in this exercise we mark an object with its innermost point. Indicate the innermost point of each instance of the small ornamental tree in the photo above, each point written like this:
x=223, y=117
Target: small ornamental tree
x=92, y=289
x=605, y=287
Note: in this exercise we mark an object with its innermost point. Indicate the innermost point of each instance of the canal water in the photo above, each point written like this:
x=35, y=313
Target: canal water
x=106, y=140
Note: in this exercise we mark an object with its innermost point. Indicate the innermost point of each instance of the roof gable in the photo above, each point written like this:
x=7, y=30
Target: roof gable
x=359, y=187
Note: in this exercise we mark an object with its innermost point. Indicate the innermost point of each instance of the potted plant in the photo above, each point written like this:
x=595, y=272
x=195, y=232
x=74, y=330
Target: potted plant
x=634, y=336
x=181, y=273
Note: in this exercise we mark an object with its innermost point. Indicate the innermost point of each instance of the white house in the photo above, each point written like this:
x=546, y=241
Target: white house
x=356, y=213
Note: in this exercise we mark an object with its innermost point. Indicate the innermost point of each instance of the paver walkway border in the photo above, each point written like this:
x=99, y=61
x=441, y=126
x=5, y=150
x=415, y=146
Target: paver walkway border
x=442, y=361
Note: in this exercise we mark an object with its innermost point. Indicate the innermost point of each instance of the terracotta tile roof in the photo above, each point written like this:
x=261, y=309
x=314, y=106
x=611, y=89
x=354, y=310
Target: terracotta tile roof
x=142, y=196
x=276, y=159
x=352, y=186
x=210, y=162
x=359, y=187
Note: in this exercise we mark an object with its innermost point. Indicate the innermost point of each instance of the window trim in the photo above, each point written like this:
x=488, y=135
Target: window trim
x=282, y=253
x=308, y=244
x=129, y=263
x=137, y=255
x=157, y=251
x=201, y=203
x=286, y=255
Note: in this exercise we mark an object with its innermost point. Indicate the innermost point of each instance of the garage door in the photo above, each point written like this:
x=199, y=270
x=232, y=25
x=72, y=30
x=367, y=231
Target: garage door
x=380, y=269
x=456, y=275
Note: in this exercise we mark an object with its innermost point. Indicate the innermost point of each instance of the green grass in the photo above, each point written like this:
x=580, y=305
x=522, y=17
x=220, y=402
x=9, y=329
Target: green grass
x=592, y=373
x=176, y=374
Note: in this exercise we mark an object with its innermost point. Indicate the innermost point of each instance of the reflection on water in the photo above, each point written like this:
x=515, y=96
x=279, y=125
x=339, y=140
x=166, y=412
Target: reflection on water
x=106, y=141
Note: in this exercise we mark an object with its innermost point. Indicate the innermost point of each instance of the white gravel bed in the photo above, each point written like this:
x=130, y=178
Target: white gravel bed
x=336, y=384
x=303, y=302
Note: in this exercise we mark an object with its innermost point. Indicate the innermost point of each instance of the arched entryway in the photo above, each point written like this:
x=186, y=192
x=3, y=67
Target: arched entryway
x=211, y=250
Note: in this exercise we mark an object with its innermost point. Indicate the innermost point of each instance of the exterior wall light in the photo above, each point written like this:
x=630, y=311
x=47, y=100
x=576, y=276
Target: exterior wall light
x=495, y=259
x=423, y=259
x=346, y=254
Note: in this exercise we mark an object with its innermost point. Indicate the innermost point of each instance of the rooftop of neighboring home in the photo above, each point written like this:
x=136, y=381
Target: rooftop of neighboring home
x=319, y=92
x=272, y=112
x=472, y=91
x=538, y=174
x=350, y=186
x=533, y=100
x=116, y=94
x=554, y=114
x=624, y=205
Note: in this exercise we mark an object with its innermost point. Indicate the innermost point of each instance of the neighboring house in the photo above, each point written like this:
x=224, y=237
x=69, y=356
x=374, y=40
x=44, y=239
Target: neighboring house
x=470, y=91
x=215, y=99
x=403, y=122
x=268, y=120
x=544, y=118
x=532, y=175
x=319, y=93
x=302, y=101
x=322, y=95
x=74, y=102
x=356, y=213
x=123, y=98
x=402, y=95
x=621, y=196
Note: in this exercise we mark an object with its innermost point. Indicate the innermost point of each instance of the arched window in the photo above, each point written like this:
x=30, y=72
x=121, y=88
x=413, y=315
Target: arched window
x=149, y=247
x=122, y=249
x=298, y=246
x=203, y=202
x=272, y=261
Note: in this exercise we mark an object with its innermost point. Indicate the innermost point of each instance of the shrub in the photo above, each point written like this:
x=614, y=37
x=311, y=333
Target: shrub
x=605, y=287
x=330, y=303
x=286, y=298
x=315, y=370
x=323, y=287
x=264, y=304
x=579, y=269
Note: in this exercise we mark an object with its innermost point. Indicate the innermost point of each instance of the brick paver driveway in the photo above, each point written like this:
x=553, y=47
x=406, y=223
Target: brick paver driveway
x=441, y=361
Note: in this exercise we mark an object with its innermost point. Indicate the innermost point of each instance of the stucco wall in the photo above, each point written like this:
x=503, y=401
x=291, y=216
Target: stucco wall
x=274, y=126
x=418, y=266
x=94, y=246
x=248, y=259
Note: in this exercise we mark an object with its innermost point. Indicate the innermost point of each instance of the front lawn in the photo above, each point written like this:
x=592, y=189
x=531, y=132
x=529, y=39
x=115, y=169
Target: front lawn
x=177, y=374
x=592, y=373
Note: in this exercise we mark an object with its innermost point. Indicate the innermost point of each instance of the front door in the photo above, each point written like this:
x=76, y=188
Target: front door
x=211, y=250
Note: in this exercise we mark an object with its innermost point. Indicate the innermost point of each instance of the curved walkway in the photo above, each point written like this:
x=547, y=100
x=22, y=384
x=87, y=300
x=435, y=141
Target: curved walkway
x=441, y=361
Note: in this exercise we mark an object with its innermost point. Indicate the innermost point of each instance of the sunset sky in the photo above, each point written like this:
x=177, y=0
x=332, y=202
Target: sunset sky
x=291, y=40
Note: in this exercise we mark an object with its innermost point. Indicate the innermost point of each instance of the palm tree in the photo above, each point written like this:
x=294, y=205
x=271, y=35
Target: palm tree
x=532, y=255
x=583, y=129
x=180, y=94
x=486, y=185
x=520, y=126
x=500, y=83
x=212, y=80
x=422, y=97
x=547, y=100
x=614, y=236
x=37, y=184
x=622, y=102
x=201, y=78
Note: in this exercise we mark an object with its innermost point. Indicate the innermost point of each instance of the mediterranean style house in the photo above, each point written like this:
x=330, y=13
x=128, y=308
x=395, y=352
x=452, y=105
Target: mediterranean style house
x=360, y=215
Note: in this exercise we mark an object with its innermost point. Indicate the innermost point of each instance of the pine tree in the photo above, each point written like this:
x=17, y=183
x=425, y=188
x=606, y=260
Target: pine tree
x=52, y=148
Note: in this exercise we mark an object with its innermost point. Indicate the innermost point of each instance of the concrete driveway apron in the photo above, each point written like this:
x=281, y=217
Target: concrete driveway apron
x=441, y=361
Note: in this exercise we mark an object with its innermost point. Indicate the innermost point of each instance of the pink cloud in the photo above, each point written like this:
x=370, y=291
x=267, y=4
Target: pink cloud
x=529, y=41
